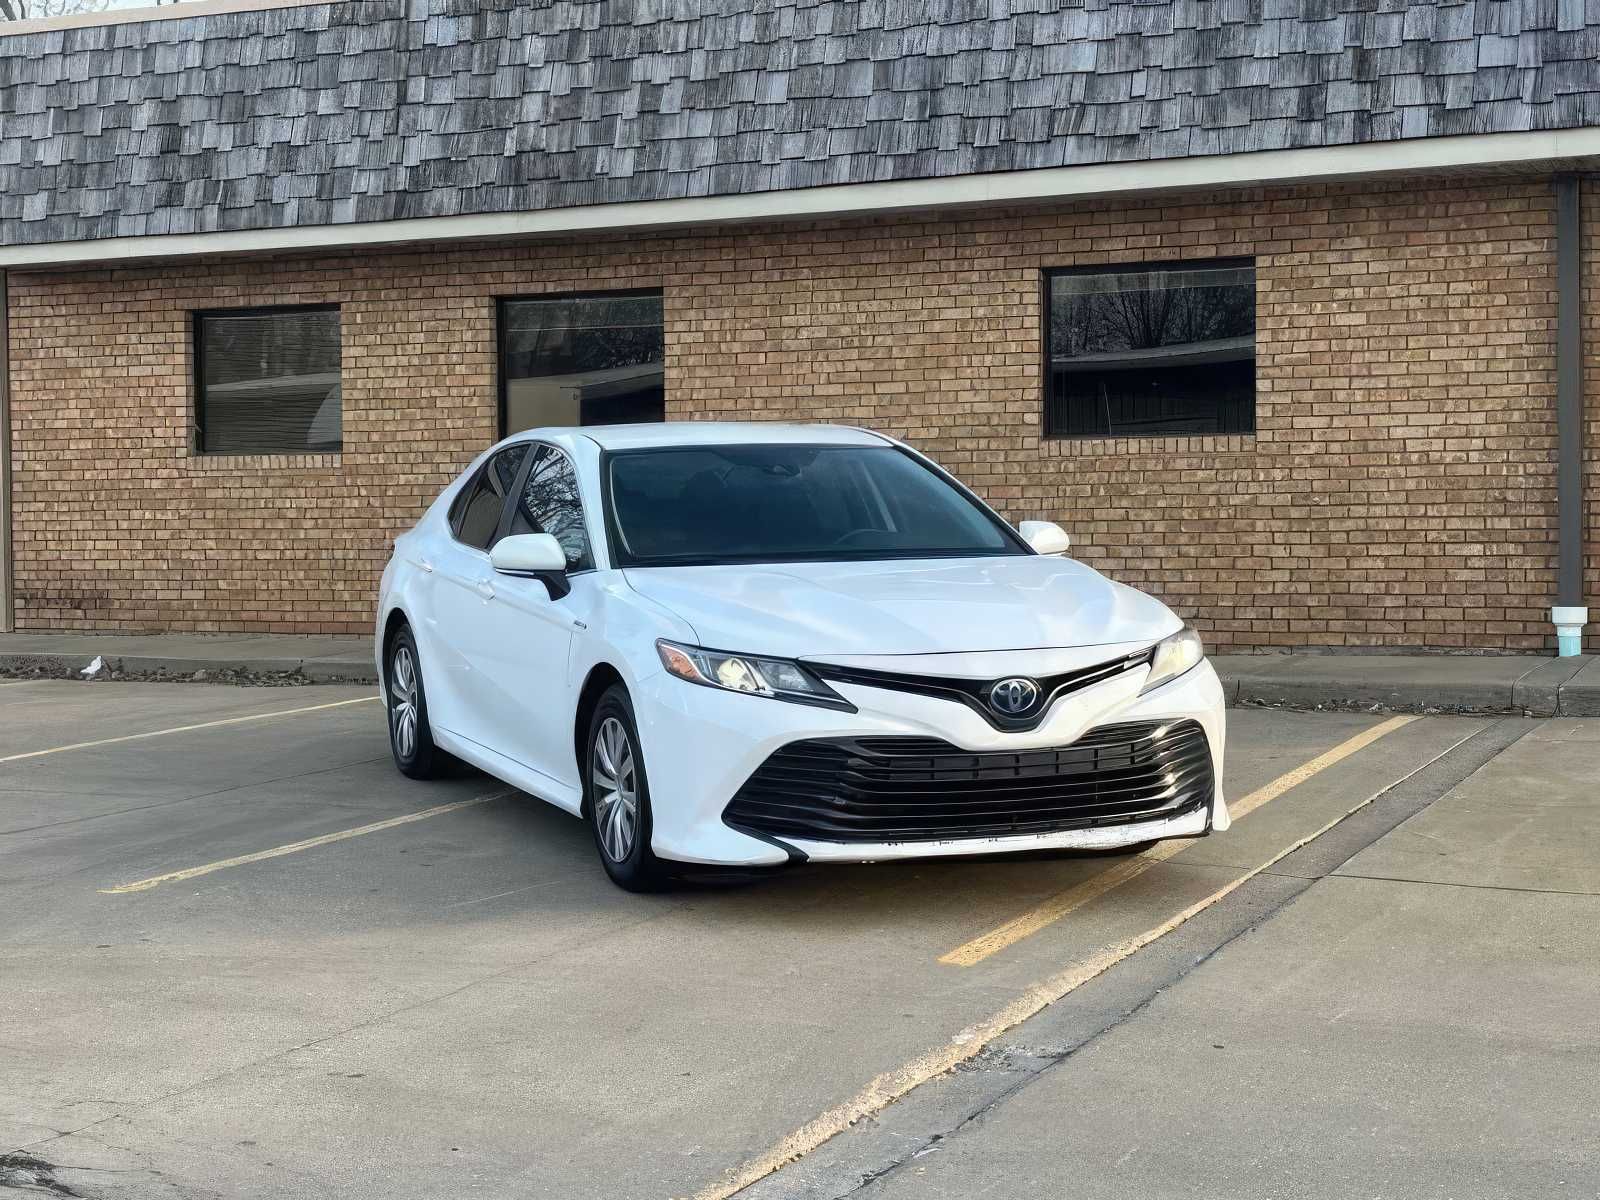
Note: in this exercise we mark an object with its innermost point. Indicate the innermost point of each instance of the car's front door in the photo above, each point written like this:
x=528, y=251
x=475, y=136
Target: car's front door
x=532, y=627
x=459, y=659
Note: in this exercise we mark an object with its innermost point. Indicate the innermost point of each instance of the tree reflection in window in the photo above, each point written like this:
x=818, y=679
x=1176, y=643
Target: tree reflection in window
x=1169, y=350
x=550, y=504
x=583, y=360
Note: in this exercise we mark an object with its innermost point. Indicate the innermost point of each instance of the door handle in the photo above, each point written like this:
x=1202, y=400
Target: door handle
x=425, y=565
x=485, y=589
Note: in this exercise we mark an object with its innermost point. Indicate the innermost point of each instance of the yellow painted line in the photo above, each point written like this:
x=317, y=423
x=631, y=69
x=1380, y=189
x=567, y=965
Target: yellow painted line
x=154, y=733
x=888, y=1087
x=1320, y=763
x=144, y=885
x=1055, y=907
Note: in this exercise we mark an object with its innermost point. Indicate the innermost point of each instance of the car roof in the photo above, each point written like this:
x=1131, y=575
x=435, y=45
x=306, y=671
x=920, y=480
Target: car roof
x=716, y=433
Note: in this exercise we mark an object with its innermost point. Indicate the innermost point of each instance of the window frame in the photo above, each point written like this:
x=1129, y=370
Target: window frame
x=197, y=428
x=500, y=331
x=1048, y=274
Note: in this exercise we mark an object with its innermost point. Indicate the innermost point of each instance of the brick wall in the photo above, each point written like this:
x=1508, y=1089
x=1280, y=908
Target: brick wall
x=1399, y=490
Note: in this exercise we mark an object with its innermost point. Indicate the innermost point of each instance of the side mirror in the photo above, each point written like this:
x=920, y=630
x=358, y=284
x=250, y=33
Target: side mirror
x=1046, y=537
x=537, y=554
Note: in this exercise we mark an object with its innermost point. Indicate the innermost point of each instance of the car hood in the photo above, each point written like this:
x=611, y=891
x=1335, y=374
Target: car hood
x=930, y=606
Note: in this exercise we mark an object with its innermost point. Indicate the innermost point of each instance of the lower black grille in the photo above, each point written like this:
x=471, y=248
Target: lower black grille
x=898, y=789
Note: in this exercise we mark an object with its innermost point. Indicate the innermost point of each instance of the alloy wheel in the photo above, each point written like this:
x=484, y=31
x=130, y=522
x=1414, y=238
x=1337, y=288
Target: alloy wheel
x=403, y=701
x=613, y=768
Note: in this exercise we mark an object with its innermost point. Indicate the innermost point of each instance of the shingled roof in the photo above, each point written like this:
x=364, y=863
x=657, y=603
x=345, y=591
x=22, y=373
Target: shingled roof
x=369, y=110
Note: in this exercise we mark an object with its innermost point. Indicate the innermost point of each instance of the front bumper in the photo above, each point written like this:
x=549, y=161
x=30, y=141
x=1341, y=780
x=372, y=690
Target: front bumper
x=701, y=745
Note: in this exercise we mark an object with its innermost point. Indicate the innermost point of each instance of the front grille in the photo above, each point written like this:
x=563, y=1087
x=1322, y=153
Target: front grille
x=974, y=693
x=899, y=789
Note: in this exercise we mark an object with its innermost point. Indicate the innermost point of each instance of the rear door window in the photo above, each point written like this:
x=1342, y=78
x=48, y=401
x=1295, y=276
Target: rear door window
x=475, y=519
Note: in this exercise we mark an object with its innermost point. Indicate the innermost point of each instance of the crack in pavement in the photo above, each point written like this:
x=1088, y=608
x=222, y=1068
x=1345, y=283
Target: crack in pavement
x=1450, y=883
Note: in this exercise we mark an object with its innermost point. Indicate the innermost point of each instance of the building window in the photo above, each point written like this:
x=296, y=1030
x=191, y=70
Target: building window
x=581, y=360
x=268, y=381
x=1142, y=352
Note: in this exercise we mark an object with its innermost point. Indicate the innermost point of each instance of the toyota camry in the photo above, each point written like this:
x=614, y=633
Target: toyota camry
x=753, y=644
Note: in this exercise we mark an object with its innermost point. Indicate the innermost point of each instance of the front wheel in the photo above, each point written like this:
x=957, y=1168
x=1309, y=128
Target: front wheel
x=617, y=797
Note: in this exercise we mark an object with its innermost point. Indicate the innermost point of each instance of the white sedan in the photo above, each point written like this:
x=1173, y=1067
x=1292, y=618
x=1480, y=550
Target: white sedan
x=756, y=644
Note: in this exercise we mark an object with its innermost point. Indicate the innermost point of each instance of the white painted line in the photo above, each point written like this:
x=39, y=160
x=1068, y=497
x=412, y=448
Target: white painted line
x=144, y=885
x=888, y=1087
x=155, y=733
x=1051, y=910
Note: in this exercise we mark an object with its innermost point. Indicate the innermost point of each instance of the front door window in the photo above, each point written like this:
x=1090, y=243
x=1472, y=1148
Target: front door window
x=549, y=504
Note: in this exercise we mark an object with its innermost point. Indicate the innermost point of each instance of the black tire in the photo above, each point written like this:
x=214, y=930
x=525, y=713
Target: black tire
x=611, y=750
x=411, y=741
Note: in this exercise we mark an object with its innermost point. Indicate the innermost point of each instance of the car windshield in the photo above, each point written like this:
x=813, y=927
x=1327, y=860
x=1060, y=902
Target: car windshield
x=697, y=505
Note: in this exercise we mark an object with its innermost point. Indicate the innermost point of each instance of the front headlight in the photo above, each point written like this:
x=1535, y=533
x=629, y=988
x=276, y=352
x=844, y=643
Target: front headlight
x=776, y=678
x=1173, y=656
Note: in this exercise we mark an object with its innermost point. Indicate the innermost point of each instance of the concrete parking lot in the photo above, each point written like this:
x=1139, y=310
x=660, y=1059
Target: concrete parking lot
x=242, y=956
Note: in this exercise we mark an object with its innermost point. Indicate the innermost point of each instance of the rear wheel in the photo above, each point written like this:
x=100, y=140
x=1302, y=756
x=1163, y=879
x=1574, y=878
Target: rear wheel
x=617, y=797
x=410, y=738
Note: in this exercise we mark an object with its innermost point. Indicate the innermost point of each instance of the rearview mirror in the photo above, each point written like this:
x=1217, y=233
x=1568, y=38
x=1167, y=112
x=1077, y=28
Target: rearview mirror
x=1046, y=537
x=528, y=554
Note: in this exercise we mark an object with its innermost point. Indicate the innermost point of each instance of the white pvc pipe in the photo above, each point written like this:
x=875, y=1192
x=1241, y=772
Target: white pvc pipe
x=1569, y=622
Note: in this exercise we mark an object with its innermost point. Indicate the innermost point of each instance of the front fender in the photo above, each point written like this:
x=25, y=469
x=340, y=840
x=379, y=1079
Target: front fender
x=623, y=638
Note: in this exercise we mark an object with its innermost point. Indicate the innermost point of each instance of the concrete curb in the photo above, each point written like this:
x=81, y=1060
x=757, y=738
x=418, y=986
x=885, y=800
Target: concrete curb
x=1533, y=686
x=318, y=670
x=1580, y=696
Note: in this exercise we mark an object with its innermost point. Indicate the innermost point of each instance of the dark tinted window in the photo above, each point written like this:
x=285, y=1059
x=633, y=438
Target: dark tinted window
x=549, y=504
x=477, y=512
x=791, y=503
x=582, y=360
x=268, y=381
x=1144, y=352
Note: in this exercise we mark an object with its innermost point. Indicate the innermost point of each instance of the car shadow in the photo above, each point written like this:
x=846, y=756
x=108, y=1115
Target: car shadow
x=549, y=844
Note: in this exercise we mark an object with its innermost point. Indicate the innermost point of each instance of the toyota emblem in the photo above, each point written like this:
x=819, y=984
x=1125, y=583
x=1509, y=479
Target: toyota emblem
x=1013, y=697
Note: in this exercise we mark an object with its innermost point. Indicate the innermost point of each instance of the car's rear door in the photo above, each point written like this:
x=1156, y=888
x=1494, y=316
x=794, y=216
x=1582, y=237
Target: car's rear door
x=459, y=659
